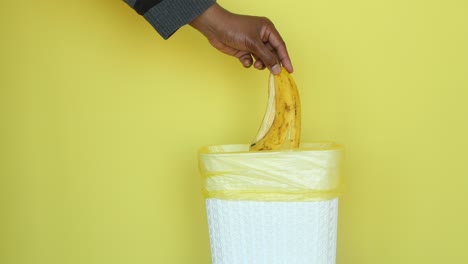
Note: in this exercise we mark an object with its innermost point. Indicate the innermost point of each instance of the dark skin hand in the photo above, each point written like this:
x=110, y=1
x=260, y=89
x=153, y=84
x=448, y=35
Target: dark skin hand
x=244, y=37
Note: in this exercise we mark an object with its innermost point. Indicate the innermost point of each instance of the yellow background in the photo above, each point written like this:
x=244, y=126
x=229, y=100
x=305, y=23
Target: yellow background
x=101, y=121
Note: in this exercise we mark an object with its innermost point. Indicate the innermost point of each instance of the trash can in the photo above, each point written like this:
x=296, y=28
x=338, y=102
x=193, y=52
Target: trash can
x=272, y=206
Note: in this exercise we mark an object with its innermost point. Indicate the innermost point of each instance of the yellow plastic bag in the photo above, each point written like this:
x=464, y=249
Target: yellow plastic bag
x=311, y=173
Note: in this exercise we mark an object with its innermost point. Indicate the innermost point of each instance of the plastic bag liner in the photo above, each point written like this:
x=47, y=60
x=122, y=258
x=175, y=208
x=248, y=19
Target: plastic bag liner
x=311, y=173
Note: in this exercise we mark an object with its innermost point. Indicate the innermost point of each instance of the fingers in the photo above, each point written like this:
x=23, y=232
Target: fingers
x=272, y=51
x=247, y=36
x=245, y=58
x=247, y=61
x=277, y=43
x=267, y=57
x=275, y=40
x=258, y=63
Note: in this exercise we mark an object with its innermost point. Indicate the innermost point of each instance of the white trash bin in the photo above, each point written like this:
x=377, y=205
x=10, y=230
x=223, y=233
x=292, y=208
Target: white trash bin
x=272, y=207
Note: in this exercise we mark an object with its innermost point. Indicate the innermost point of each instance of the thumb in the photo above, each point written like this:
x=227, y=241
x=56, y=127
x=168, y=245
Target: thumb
x=268, y=57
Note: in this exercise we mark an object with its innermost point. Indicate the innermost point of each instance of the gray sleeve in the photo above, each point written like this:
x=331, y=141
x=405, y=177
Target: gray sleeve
x=168, y=16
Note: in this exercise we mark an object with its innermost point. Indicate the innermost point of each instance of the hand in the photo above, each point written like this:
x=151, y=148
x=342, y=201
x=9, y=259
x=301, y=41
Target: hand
x=244, y=37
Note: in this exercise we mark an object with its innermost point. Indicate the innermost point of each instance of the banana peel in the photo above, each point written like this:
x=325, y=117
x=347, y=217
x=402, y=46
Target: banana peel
x=281, y=126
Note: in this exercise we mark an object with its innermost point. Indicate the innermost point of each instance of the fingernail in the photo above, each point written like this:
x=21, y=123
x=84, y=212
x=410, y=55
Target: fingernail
x=276, y=69
x=247, y=63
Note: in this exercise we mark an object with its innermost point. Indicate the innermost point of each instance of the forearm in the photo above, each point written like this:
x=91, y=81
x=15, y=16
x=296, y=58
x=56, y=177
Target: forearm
x=167, y=16
x=244, y=37
x=211, y=20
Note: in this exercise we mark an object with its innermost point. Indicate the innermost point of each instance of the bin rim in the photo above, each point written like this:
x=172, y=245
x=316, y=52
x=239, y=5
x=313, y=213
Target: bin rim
x=243, y=149
x=310, y=173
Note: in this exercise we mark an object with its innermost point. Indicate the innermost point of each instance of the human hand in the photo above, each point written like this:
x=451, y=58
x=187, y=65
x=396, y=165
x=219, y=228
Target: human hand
x=244, y=37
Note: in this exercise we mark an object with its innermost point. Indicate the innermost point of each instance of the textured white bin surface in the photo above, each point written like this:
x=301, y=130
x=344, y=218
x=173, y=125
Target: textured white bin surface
x=272, y=232
x=272, y=208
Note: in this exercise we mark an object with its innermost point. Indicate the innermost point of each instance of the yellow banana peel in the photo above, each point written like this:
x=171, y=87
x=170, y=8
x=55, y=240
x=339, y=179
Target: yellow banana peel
x=281, y=126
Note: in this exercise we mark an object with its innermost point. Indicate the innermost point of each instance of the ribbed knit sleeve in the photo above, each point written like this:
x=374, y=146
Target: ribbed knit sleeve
x=167, y=16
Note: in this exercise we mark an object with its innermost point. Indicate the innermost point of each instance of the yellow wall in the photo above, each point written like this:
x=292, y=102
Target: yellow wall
x=101, y=121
